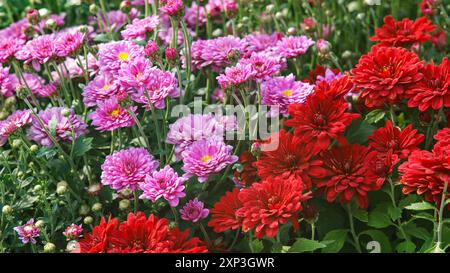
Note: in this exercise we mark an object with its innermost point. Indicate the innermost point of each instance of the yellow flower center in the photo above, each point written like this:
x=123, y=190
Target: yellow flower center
x=287, y=92
x=124, y=56
x=105, y=87
x=206, y=158
x=115, y=112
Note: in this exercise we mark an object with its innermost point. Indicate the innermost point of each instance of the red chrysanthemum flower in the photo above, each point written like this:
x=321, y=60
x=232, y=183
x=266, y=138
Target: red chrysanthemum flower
x=385, y=74
x=401, y=142
x=443, y=139
x=286, y=156
x=139, y=234
x=426, y=173
x=403, y=33
x=248, y=174
x=381, y=164
x=271, y=203
x=101, y=239
x=434, y=90
x=318, y=71
x=320, y=119
x=348, y=175
x=223, y=214
x=337, y=88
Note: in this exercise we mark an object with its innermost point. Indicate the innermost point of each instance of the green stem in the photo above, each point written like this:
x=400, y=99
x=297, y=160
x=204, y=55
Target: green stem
x=394, y=204
x=205, y=234
x=352, y=229
x=441, y=215
x=136, y=201
x=175, y=216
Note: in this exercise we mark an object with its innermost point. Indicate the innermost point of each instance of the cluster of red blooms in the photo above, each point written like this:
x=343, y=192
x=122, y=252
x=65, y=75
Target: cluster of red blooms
x=139, y=234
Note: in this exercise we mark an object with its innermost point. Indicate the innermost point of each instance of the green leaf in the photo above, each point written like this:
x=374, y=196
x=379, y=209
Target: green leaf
x=409, y=199
x=26, y=202
x=257, y=245
x=418, y=232
x=395, y=213
x=48, y=153
x=358, y=131
x=375, y=116
x=379, y=220
x=82, y=146
x=406, y=247
x=338, y=237
x=379, y=237
x=361, y=215
x=420, y=206
x=305, y=245
x=424, y=216
x=102, y=38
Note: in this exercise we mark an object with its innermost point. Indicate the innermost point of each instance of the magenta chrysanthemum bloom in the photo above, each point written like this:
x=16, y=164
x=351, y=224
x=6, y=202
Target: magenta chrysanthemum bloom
x=68, y=43
x=262, y=65
x=236, y=76
x=110, y=116
x=195, y=14
x=186, y=130
x=136, y=74
x=7, y=82
x=171, y=7
x=140, y=28
x=113, y=54
x=15, y=31
x=194, y=211
x=261, y=42
x=283, y=91
x=116, y=18
x=215, y=7
x=205, y=157
x=28, y=232
x=160, y=85
x=101, y=88
x=293, y=46
x=127, y=168
x=164, y=183
x=38, y=51
x=58, y=18
x=73, y=232
x=9, y=47
x=36, y=84
x=216, y=52
x=61, y=127
x=17, y=120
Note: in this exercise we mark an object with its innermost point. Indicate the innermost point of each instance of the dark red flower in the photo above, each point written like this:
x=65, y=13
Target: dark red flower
x=439, y=39
x=248, y=174
x=403, y=33
x=320, y=119
x=286, y=156
x=137, y=235
x=271, y=203
x=381, y=164
x=426, y=173
x=401, y=142
x=385, y=74
x=337, y=88
x=318, y=71
x=223, y=214
x=434, y=89
x=348, y=175
x=427, y=7
x=443, y=139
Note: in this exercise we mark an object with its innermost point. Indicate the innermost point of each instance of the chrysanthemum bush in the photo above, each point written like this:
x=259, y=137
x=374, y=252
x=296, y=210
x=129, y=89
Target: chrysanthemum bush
x=103, y=147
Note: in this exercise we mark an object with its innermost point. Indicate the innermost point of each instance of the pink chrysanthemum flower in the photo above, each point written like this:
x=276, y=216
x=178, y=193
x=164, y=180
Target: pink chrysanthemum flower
x=38, y=51
x=171, y=7
x=113, y=54
x=283, y=91
x=194, y=211
x=36, y=84
x=262, y=65
x=195, y=14
x=127, y=168
x=68, y=43
x=17, y=120
x=215, y=7
x=58, y=18
x=15, y=31
x=261, y=42
x=101, y=88
x=136, y=74
x=7, y=82
x=160, y=85
x=186, y=130
x=61, y=127
x=293, y=46
x=73, y=232
x=110, y=116
x=164, y=183
x=236, y=76
x=28, y=232
x=329, y=76
x=140, y=27
x=9, y=47
x=206, y=157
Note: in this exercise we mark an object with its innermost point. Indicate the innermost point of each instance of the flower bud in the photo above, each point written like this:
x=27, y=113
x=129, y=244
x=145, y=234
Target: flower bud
x=72, y=246
x=44, y=12
x=217, y=32
x=50, y=23
x=7, y=210
x=84, y=209
x=94, y=189
x=245, y=20
x=346, y=55
x=97, y=207
x=126, y=192
x=61, y=190
x=3, y=115
x=93, y=9
x=171, y=54
x=279, y=15
x=34, y=148
x=49, y=248
x=323, y=46
x=20, y=174
x=124, y=204
x=10, y=102
x=37, y=188
x=83, y=29
x=40, y=223
x=88, y=220
x=291, y=31
x=65, y=112
x=62, y=183
x=151, y=49
x=16, y=143
x=270, y=8
x=33, y=16
x=125, y=6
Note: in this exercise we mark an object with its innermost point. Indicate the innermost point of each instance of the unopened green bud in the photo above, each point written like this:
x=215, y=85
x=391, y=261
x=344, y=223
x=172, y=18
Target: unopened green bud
x=97, y=207
x=84, y=209
x=124, y=204
x=49, y=247
x=7, y=210
x=88, y=220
